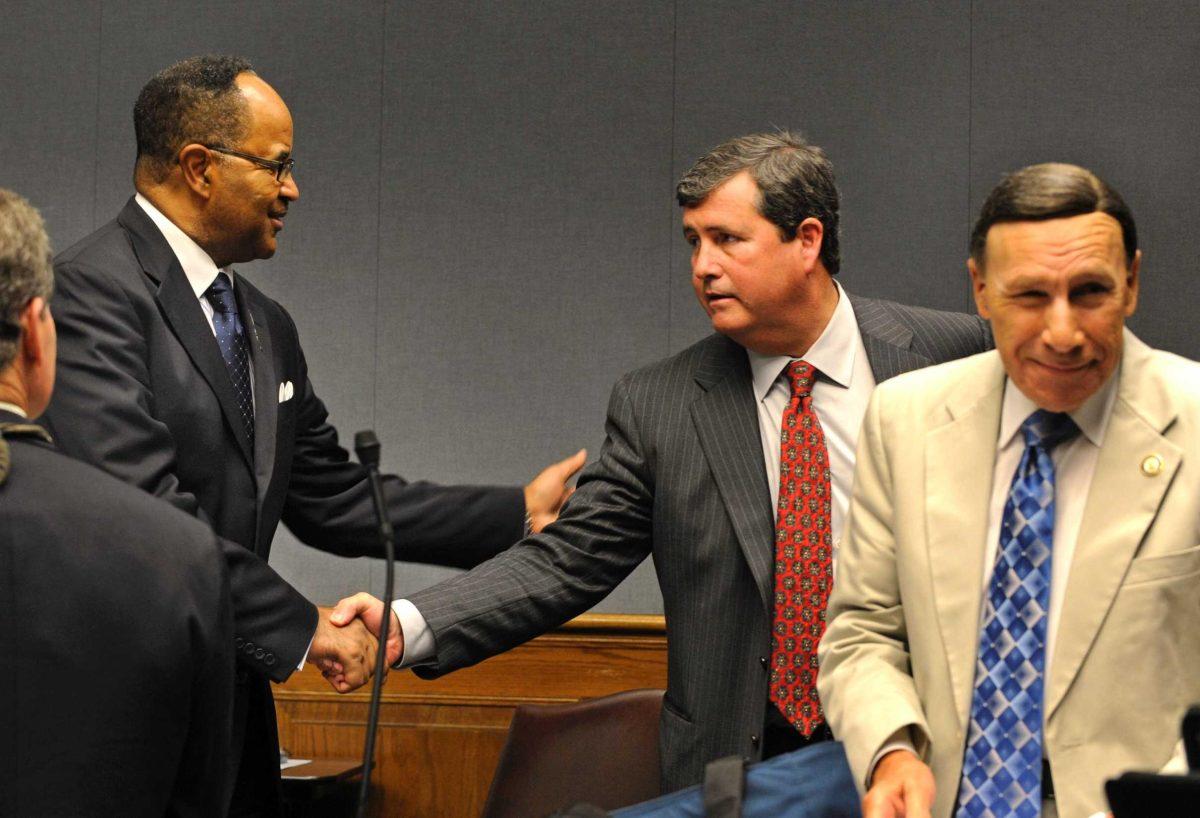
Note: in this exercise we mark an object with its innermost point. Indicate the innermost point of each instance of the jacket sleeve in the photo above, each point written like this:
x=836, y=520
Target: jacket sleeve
x=604, y=531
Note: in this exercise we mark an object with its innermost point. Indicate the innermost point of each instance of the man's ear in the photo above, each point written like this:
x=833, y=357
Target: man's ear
x=810, y=236
x=1131, y=284
x=978, y=285
x=33, y=348
x=197, y=164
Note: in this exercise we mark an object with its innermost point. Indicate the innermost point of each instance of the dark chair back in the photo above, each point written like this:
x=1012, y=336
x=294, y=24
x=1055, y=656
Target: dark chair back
x=601, y=751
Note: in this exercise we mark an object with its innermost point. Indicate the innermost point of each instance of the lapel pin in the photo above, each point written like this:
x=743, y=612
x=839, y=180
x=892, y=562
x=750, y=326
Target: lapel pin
x=1152, y=465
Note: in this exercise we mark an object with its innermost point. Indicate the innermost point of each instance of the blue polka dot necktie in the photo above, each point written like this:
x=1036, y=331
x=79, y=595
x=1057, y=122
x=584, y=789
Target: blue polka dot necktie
x=231, y=338
x=1002, y=767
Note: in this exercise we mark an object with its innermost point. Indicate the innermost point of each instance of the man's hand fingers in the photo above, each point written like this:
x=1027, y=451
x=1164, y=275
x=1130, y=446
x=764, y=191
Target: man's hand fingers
x=916, y=803
x=395, y=645
x=569, y=466
x=350, y=608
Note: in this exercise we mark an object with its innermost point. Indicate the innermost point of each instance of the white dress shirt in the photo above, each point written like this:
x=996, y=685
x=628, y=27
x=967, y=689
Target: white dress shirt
x=197, y=265
x=840, y=398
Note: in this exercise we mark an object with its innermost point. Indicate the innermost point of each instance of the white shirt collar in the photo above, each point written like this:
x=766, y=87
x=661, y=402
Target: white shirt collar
x=12, y=407
x=1091, y=417
x=832, y=353
x=197, y=265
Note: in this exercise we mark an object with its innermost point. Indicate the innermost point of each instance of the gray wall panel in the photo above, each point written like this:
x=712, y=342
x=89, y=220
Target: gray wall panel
x=883, y=87
x=48, y=79
x=487, y=235
x=1114, y=90
x=526, y=163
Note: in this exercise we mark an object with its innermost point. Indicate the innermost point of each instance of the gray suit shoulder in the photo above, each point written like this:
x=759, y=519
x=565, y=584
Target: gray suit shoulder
x=685, y=363
x=939, y=335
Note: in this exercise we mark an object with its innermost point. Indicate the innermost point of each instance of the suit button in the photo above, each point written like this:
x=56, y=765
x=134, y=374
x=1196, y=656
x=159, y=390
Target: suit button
x=258, y=654
x=237, y=641
x=754, y=740
x=270, y=660
x=762, y=660
x=248, y=648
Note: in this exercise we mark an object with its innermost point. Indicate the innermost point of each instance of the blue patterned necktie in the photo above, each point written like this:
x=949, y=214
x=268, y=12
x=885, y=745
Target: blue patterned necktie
x=1002, y=768
x=231, y=338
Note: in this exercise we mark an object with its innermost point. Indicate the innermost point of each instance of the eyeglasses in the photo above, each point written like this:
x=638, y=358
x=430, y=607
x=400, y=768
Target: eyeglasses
x=281, y=167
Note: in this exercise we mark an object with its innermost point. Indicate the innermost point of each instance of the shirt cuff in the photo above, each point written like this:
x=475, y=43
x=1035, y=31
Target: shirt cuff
x=419, y=644
x=304, y=658
x=899, y=740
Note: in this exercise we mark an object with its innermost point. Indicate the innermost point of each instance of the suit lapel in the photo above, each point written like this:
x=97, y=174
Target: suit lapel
x=266, y=383
x=887, y=341
x=1122, y=504
x=182, y=311
x=958, y=483
x=726, y=423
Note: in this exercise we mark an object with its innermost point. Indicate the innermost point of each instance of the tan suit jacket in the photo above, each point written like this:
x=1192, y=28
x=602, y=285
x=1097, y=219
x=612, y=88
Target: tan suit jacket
x=901, y=646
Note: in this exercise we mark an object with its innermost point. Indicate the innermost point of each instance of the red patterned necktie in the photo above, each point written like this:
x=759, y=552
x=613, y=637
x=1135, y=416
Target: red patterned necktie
x=803, y=556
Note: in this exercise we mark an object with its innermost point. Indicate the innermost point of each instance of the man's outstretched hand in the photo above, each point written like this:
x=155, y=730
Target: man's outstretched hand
x=345, y=654
x=546, y=493
x=364, y=608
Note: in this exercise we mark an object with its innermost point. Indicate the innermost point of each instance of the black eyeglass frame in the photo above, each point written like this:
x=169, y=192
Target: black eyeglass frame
x=283, y=167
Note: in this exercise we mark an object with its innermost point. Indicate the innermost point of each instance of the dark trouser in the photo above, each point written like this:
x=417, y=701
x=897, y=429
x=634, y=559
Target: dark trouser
x=256, y=792
x=780, y=737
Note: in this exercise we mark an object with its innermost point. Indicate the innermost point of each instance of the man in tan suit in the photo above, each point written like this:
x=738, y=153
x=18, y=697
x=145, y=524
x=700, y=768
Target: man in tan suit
x=1016, y=612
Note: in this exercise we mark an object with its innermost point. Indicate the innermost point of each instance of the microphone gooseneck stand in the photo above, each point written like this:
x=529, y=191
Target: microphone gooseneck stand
x=366, y=445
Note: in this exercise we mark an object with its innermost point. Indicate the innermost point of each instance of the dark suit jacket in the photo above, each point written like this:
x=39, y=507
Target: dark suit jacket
x=114, y=613
x=143, y=393
x=680, y=476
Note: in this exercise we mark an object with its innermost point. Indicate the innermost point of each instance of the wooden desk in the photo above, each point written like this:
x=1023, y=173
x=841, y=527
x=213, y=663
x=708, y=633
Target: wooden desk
x=439, y=740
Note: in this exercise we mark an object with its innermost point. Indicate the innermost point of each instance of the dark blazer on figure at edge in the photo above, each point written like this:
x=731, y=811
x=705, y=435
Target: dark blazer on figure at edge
x=680, y=476
x=143, y=393
x=115, y=617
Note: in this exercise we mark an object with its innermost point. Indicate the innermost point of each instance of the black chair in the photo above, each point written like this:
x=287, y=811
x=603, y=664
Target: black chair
x=600, y=751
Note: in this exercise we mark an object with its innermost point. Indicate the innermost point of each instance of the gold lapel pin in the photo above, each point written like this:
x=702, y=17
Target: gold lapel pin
x=1152, y=465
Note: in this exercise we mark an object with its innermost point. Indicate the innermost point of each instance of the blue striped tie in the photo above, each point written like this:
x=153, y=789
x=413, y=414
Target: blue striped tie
x=1002, y=768
x=231, y=338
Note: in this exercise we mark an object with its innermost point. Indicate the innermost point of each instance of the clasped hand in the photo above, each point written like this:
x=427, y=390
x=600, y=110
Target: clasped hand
x=346, y=641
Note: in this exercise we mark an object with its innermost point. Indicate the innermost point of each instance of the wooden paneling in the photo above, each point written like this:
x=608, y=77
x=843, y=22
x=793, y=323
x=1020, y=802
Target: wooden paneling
x=439, y=740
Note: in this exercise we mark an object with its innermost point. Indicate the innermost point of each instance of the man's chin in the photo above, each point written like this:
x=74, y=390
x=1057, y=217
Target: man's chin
x=1061, y=395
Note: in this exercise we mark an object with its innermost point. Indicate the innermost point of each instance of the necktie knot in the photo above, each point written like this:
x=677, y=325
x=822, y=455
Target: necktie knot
x=220, y=295
x=1048, y=429
x=802, y=376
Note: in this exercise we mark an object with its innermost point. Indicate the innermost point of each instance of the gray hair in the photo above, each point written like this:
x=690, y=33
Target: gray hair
x=1053, y=190
x=25, y=269
x=195, y=100
x=795, y=182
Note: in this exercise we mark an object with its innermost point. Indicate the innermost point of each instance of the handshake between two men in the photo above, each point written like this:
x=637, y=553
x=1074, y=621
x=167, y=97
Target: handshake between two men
x=346, y=641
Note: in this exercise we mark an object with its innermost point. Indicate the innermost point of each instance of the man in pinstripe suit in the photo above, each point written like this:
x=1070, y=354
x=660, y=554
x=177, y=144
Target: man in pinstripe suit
x=690, y=469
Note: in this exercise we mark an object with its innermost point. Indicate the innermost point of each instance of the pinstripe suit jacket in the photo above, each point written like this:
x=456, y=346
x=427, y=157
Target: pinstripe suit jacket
x=680, y=476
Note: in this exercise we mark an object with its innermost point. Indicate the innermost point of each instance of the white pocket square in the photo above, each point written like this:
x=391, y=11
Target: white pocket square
x=286, y=390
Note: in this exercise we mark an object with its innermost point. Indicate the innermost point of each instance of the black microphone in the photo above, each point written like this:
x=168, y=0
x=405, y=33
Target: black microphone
x=366, y=445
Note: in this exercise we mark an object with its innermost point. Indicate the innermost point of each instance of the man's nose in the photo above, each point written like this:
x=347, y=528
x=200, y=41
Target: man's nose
x=1062, y=332
x=290, y=189
x=704, y=261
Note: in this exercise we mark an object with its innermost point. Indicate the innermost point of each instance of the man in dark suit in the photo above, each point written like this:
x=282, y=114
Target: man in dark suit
x=123, y=700
x=729, y=462
x=179, y=376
